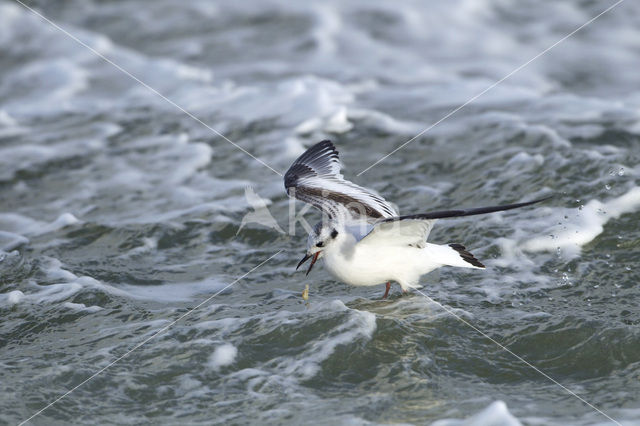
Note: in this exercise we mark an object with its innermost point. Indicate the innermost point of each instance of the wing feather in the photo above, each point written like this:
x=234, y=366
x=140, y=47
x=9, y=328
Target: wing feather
x=406, y=232
x=315, y=178
x=414, y=229
x=468, y=212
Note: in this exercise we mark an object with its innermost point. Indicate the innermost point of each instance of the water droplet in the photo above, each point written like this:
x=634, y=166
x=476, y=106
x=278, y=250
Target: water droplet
x=621, y=171
x=607, y=187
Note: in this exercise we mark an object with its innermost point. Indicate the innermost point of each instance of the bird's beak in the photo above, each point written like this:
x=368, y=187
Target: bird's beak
x=307, y=257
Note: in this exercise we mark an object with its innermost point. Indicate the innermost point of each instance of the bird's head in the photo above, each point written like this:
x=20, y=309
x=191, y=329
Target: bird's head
x=322, y=236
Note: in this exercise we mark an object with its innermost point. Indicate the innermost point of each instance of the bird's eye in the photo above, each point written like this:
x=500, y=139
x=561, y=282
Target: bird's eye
x=334, y=233
x=320, y=244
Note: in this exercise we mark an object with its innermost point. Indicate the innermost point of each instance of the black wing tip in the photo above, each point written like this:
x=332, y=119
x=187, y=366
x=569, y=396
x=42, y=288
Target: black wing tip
x=527, y=203
x=294, y=172
x=539, y=200
x=300, y=166
x=322, y=148
x=466, y=256
x=445, y=214
x=324, y=143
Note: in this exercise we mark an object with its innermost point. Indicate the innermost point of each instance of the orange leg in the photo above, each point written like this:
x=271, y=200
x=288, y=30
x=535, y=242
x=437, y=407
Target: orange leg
x=386, y=292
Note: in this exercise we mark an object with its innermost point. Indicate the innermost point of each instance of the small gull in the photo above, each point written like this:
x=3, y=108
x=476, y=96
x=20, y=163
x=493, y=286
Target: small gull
x=362, y=239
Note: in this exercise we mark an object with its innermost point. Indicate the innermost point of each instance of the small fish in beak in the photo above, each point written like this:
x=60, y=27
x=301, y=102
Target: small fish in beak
x=307, y=257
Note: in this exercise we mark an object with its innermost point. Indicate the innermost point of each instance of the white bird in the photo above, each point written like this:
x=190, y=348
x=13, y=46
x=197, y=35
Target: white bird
x=362, y=239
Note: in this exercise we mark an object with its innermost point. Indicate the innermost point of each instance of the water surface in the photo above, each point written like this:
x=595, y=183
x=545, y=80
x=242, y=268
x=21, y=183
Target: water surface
x=119, y=212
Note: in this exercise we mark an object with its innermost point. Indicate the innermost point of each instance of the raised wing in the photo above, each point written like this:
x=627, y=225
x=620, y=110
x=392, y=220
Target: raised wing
x=413, y=230
x=315, y=178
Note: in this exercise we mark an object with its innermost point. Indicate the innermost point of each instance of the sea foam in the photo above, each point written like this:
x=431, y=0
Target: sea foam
x=222, y=356
x=580, y=226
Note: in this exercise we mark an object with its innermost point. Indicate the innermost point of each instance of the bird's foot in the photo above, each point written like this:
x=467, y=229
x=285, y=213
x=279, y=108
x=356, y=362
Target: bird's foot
x=386, y=292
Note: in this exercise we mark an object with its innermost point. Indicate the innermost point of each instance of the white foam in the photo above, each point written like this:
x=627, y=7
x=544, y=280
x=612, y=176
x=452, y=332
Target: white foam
x=223, y=356
x=149, y=244
x=27, y=156
x=82, y=307
x=9, y=126
x=53, y=293
x=360, y=324
x=64, y=220
x=222, y=325
x=580, y=226
x=496, y=414
x=6, y=120
x=171, y=292
x=334, y=123
x=13, y=297
x=51, y=84
x=385, y=123
x=14, y=222
x=10, y=241
x=54, y=271
x=67, y=284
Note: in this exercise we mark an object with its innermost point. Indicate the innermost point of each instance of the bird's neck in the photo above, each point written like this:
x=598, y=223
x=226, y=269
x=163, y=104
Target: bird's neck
x=343, y=245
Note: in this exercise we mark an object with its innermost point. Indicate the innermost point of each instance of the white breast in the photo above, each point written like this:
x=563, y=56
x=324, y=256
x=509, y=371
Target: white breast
x=365, y=265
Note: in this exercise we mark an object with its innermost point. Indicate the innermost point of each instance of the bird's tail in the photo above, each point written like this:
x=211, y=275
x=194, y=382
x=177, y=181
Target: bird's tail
x=452, y=255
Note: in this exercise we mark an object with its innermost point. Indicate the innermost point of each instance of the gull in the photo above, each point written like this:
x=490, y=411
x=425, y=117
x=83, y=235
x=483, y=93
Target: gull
x=362, y=239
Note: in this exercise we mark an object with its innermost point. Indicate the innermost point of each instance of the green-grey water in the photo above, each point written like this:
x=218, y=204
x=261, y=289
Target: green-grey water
x=120, y=213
